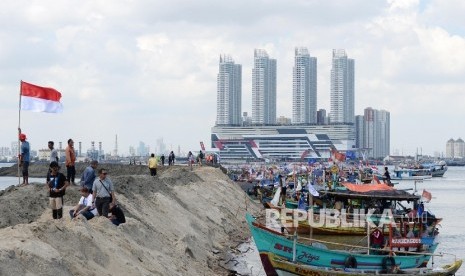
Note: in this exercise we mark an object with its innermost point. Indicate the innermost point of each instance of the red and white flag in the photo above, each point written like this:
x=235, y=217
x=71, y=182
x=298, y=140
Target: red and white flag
x=426, y=195
x=40, y=99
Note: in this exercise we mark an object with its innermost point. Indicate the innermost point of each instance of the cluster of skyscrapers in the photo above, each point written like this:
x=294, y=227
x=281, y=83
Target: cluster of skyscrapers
x=231, y=130
x=304, y=90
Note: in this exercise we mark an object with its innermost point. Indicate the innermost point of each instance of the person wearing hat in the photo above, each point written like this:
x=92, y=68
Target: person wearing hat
x=57, y=186
x=24, y=158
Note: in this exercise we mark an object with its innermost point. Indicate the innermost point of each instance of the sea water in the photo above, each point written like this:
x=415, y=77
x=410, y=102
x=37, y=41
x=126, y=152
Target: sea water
x=448, y=203
x=7, y=181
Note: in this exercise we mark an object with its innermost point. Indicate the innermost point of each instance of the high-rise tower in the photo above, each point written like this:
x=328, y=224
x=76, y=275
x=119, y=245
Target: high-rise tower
x=342, y=88
x=304, y=88
x=229, y=92
x=376, y=132
x=263, y=88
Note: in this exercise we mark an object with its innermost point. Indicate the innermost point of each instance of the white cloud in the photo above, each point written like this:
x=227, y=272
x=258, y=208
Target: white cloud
x=147, y=69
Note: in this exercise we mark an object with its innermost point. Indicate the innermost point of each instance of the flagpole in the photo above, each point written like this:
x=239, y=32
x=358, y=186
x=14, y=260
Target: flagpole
x=19, y=132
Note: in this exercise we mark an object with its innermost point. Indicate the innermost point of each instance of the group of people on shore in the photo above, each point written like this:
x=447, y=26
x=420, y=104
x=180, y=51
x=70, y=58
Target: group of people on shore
x=153, y=162
x=97, y=192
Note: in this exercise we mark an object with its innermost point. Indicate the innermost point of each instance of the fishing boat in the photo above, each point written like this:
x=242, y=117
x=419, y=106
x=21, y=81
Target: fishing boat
x=377, y=197
x=411, y=174
x=285, y=267
x=437, y=169
x=288, y=248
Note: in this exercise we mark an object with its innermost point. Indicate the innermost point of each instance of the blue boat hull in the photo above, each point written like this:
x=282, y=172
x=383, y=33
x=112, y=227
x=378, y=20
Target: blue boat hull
x=269, y=242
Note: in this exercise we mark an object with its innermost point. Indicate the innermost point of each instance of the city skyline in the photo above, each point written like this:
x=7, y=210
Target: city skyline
x=144, y=72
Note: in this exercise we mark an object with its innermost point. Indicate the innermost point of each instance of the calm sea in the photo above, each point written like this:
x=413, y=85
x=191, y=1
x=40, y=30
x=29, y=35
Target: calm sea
x=7, y=181
x=448, y=202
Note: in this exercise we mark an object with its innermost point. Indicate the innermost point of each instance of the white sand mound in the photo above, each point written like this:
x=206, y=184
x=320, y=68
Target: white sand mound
x=178, y=223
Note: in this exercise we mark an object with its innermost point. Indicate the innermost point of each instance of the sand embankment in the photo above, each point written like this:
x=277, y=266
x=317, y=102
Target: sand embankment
x=178, y=223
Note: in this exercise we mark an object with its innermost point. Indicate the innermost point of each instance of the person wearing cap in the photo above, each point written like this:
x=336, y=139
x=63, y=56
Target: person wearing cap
x=57, y=186
x=24, y=158
x=70, y=161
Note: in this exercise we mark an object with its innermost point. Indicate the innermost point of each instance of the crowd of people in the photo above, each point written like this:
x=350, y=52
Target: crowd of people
x=97, y=191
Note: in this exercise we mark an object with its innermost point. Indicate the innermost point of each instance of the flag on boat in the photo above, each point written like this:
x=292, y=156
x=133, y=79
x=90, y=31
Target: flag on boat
x=426, y=195
x=336, y=155
x=40, y=99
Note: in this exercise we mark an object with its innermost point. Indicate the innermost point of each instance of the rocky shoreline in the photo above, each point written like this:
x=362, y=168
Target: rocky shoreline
x=180, y=222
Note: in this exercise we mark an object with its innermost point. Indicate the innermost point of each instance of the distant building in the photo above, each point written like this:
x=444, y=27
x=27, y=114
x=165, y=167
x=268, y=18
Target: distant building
x=321, y=118
x=304, y=88
x=263, y=89
x=455, y=148
x=5, y=152
x=342, y=88
x=229, y=92
x=376, y=132
x=282, y=142
x=246, y=119
x=142, y=150
x=283, y=120
x=359, y=130
x=132, y=151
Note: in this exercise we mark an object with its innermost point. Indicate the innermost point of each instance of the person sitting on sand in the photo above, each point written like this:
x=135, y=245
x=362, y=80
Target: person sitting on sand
x=85, y=206
x=117, y=216
x=57, y=186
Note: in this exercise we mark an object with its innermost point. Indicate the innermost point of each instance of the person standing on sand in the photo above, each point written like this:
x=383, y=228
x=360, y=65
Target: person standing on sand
x=53, y=152
x=24, y=158
x=153, y=162
x=103, y=193
x=53, y=157
x=200, y=158
x=70, y=162
x=171, y=158
x=162, y=158
x=88, y=176
x=190, y=159
x=57, y=186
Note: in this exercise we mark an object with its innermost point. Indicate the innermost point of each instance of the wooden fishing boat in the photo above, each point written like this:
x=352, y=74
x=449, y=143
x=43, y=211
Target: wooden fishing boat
x=354, y=198
x=284, y=267
x=269, y=241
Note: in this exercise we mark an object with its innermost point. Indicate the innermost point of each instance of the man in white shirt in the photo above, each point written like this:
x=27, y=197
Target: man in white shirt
x=53, y=152
x=85, y=206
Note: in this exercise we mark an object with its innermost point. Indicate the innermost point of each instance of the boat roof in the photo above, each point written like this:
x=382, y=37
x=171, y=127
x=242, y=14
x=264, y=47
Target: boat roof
x=378, y=194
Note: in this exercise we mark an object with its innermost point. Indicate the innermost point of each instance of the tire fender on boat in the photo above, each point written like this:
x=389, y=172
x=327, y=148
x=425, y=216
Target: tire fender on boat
x=389, y=263
x=350, y=262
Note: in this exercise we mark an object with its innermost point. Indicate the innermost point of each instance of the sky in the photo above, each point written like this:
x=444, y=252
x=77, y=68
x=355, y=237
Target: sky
x=146, y=70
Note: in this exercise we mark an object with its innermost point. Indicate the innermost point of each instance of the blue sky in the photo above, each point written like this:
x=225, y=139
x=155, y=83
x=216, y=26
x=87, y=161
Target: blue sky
x=147, y=69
